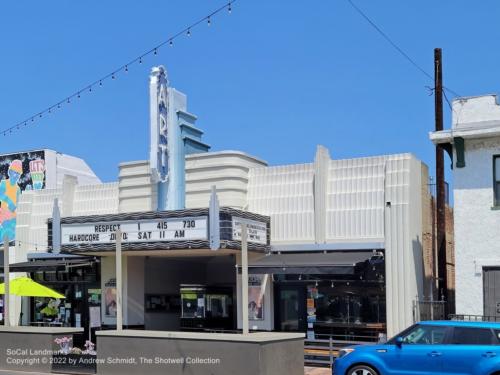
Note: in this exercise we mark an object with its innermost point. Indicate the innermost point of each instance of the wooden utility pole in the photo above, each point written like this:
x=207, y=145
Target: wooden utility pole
x=440, y=183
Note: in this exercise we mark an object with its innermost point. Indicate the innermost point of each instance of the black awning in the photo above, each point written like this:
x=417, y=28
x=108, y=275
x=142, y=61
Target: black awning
x=50, y=264
x=333, y=263
x=306, y=270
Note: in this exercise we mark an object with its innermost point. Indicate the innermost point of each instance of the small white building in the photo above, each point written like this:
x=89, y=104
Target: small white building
x=474, y=143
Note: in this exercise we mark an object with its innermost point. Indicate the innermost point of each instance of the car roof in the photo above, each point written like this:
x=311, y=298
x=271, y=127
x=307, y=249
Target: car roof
x=456, y=323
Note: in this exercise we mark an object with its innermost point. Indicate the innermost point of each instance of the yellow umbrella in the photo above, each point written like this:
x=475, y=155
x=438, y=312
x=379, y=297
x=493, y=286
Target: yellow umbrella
x=25, y=287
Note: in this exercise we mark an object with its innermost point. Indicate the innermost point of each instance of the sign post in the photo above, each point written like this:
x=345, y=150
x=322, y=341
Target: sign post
x=6, y=270
x=244, y=277
x=119, y=311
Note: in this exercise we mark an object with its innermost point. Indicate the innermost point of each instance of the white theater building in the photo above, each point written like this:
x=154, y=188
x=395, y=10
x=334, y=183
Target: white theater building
x=343, y=253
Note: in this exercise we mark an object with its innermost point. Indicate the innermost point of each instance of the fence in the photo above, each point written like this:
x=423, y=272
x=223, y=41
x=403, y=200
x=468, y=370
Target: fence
x=474, y=318
x=322, y=350
x=428, y=310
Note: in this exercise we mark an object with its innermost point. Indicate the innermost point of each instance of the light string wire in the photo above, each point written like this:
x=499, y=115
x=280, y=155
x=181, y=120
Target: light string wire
x=123, y=68
x=396, y=47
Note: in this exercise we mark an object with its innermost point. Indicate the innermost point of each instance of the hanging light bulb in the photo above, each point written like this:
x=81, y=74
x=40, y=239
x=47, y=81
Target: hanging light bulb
x=113, y=76
x=316, y=284
x=90, y=88
x=155, y=51
x=171, y=43
x=78, y=95
x=100, y=83
x=68, y=101
x=126, y=68
x=229, y=8
x=140, y=60
x=40, y=115
x=348, y=283
x=59, y=106
x=49, y=111
x=332, y=285
x=32, y=119
x=209, y=21
x=189, y=32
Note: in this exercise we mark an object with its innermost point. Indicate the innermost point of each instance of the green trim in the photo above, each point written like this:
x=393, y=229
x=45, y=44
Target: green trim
x=460, y=150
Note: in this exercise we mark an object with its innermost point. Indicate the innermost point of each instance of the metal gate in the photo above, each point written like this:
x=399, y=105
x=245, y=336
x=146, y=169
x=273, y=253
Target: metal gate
x=491, y=291
x=428, y=310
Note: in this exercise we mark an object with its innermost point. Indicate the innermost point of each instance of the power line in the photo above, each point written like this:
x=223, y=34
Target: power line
x=395, y=46
x=187, y=31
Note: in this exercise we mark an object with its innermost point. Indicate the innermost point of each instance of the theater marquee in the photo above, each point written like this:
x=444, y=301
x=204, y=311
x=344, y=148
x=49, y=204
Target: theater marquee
x=155, y=230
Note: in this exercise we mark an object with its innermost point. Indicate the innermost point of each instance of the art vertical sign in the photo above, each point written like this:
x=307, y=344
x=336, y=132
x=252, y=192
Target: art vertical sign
x=18, y=172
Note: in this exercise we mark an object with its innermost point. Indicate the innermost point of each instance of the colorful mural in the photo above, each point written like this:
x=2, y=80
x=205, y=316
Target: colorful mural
x=18, y=172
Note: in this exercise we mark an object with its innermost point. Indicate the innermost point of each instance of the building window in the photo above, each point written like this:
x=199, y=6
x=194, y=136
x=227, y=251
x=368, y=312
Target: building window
x=496, y=179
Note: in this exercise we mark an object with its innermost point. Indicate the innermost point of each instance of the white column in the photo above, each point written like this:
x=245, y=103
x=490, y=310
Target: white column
x=119, y=308
x=6, y=271
x=244, y=278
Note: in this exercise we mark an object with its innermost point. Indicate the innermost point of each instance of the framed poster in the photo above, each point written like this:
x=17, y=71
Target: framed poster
x=256, y=291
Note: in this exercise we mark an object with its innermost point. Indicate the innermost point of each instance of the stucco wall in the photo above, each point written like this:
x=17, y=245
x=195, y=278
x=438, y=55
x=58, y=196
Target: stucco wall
x=477, y=226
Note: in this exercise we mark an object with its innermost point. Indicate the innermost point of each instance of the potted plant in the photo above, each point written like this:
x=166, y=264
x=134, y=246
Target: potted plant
x=73, y=360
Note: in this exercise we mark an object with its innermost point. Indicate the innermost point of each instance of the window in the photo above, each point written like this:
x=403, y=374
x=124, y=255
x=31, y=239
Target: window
x=473, y=336
x=425, y=335
x=496, y=180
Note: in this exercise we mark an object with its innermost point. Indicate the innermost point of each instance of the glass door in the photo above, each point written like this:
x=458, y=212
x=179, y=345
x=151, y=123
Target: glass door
x=290, y=308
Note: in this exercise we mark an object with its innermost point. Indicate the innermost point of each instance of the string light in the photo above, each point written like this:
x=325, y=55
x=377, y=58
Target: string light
x=125, y=67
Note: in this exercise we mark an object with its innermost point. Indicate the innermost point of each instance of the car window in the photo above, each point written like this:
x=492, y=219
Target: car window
x=473, y=336
x=425, y=335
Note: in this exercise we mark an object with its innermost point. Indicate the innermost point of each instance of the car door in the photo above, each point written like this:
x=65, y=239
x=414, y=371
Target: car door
x=419, y=351
x=469, y=349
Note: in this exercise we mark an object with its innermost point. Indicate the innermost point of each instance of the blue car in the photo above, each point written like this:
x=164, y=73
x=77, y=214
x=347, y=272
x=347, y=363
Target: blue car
x=437, y=347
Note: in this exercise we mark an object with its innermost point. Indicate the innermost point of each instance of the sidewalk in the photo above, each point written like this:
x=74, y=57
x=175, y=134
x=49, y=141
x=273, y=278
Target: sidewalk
x=317, y=371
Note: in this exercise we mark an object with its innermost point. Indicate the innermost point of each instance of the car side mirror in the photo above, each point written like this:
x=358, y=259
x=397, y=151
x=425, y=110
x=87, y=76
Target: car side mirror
x=399, y=342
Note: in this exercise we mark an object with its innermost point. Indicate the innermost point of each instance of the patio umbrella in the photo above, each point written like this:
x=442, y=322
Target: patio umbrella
x=26, y=287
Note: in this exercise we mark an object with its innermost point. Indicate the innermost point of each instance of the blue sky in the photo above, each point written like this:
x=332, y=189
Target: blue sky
x=274, y=79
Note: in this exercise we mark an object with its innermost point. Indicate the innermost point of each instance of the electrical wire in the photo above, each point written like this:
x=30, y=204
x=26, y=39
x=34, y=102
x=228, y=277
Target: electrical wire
x=395, y=46
x=123, y=68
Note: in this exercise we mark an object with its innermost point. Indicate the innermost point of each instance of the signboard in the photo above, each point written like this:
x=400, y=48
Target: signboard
x=95, y=316
x=153, y=230
x=18, y=172
x=256, y=230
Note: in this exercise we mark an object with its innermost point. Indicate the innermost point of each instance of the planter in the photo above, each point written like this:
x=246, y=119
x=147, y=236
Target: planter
x=74, y=363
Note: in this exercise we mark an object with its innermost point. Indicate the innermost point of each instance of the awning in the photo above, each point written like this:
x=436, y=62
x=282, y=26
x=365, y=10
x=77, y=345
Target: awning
x=334, y=263
x=51, y=264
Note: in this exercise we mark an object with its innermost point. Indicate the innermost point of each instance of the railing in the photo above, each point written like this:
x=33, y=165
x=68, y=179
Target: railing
x=323, y=349
x=474, y=318
x=428, y=310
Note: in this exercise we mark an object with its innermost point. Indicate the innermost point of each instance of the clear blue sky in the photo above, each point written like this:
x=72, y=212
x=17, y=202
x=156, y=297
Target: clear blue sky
x=273, y=79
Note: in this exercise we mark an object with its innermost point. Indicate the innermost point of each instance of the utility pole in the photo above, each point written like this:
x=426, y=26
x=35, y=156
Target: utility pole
x=440, y=183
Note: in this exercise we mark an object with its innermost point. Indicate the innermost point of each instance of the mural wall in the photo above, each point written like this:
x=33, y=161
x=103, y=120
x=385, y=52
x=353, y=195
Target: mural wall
x=18, y=172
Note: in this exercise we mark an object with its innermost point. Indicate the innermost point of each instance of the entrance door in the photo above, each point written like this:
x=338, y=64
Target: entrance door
x=491, y=291
x=290, y=308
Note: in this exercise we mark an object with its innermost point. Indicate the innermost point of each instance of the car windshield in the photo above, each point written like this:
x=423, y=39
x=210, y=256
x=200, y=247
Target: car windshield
x=422, y=335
